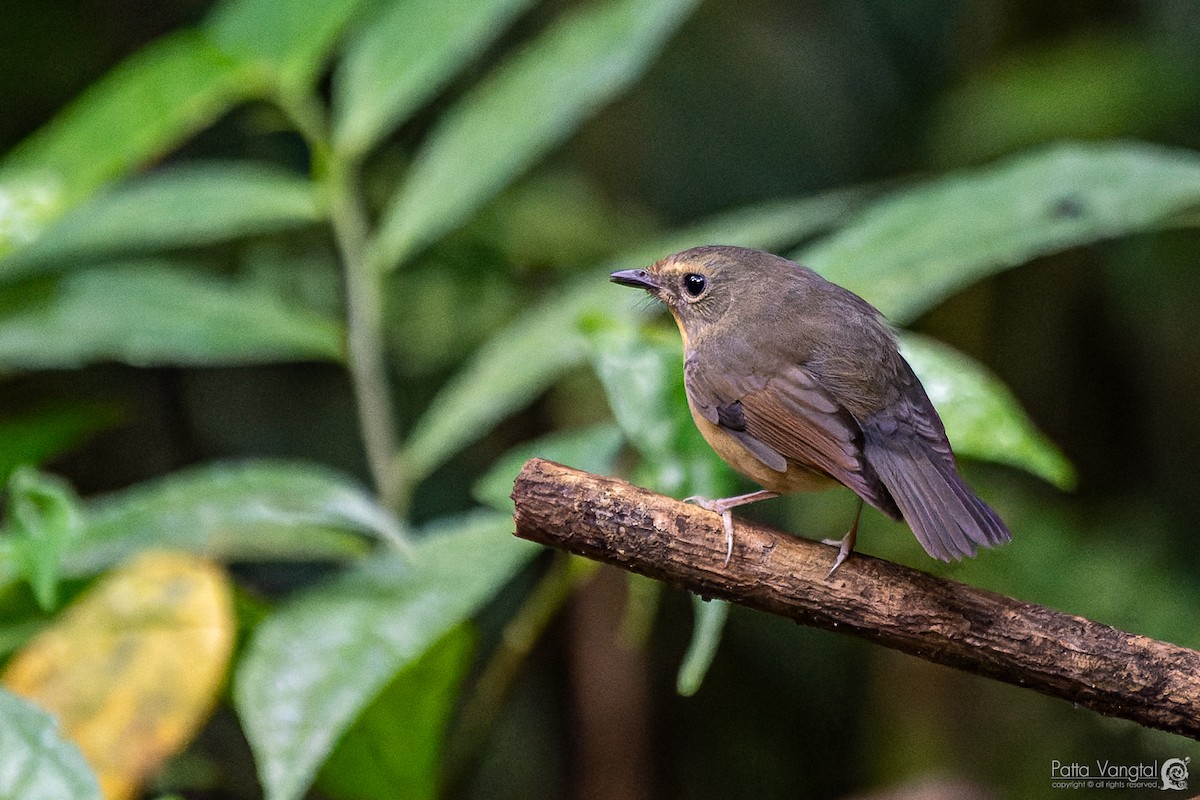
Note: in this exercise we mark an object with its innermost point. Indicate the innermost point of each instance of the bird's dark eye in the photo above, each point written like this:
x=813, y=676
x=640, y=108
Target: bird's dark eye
x=694, y=284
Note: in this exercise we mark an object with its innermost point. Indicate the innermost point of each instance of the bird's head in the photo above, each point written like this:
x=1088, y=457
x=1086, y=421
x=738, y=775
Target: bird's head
x=698, y=286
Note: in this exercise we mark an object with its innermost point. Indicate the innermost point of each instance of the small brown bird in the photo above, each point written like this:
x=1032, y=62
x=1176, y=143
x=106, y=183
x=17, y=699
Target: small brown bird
x=797, y=384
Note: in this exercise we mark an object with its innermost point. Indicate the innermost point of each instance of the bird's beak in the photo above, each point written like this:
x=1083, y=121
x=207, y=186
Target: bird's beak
x=637, y=278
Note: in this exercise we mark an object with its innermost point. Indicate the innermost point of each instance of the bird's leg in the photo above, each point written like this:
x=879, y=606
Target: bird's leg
x=724, y=507
x=846, y=543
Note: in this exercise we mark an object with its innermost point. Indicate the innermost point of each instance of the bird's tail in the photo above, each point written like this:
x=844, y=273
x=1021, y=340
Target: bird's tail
x=949, y=520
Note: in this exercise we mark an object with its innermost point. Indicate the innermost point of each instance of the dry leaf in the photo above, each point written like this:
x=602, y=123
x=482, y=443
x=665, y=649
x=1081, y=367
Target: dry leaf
x=133, y=667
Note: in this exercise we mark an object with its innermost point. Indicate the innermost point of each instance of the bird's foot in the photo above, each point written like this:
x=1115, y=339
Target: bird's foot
x=724, y=506
x=845, y=545
x=718, y=507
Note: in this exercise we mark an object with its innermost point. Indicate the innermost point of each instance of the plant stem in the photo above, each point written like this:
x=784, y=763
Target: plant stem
x=516, y=642
x=364, y=334
x=366, y=355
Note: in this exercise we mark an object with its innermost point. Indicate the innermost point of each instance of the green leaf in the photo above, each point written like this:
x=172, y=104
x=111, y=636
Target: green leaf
x=393, y=749
x=186, y=206
x=531, y=104
x=638, y=371
x=771, y=225
x=252, y=511
x=150, y=102
x=28, y=204
x=314, y=666
x=1094, y=84
x=15, y=635
x=593, y=449
x=38, y=436
x=709, y=616
x=642, y=376
x=43, y=522
x=154, y=314
x=512, y=368
x=36, y=762
x=910, y=251
x=286, y=41
x=982, y=418
x=403, y=57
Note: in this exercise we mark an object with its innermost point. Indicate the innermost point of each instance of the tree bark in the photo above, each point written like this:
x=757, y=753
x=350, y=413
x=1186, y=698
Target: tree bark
x=1119, y=674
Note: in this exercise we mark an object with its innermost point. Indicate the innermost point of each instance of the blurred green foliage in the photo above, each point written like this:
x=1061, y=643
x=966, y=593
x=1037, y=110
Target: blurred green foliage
x=291, y=218
x=50, y=765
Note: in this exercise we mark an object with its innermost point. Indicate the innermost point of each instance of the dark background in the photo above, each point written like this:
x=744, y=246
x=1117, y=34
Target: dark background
x=758, y=99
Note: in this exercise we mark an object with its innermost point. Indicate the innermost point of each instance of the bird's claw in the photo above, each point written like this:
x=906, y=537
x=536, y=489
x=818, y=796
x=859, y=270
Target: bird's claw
x=717, y=507
x=845, y=547
x=727, y=523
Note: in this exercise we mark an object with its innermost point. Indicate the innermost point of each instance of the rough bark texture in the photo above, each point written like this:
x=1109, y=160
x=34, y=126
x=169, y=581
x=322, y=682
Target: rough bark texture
x=1119, y=674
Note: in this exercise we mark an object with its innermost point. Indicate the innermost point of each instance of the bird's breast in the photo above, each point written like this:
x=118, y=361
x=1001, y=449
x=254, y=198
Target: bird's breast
x=797, y=478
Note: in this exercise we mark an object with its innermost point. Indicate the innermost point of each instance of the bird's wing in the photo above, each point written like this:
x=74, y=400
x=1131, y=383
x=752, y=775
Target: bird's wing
x=789, y=418
x=908, y=450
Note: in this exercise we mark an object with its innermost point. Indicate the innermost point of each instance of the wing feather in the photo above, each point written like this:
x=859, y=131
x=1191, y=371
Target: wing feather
x=907, y=447
x=790, y=419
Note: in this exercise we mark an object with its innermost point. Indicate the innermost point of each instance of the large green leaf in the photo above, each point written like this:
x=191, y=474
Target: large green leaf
x=638, y=371
x=908, y=252
x=1093, y=84
x=28, y=204
x=257, y=510
x=187, y=206
x=402, y=57
x=708, y=624
x=592, y=449
x=150, y=102
x=317, y=663
x=982, y=418
x=770, y=225
x=36, y=763
x=153, y=314
x=393, y=748
x=505, y=374
x=643, y=380
x=532, y=103
x=287, y=40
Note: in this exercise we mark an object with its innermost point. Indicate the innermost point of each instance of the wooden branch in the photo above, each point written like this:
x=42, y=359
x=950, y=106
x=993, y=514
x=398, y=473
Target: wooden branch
x=1119, y=674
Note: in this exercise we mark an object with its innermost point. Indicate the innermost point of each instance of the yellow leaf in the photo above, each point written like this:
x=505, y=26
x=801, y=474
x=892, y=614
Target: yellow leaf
x=133, y=667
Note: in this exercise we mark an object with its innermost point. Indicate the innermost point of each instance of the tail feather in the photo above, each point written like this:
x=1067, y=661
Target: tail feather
x=949, y=519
